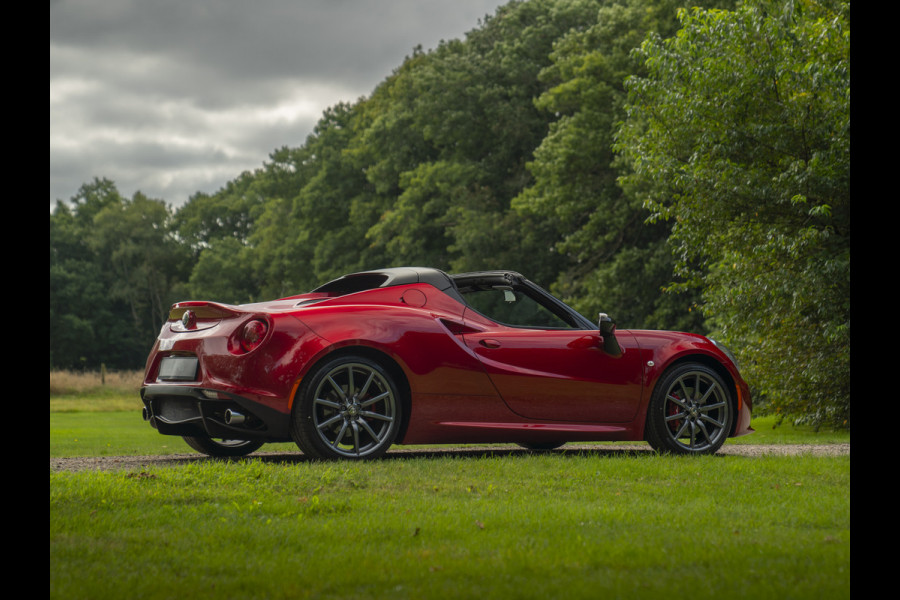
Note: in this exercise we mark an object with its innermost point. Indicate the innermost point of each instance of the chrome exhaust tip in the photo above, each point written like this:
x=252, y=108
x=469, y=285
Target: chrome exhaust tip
x=233, y=417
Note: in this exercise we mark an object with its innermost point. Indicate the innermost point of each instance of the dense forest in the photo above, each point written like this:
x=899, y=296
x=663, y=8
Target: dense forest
x=676, y=168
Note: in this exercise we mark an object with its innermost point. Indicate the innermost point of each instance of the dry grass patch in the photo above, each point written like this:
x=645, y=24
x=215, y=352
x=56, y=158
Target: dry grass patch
x=95, y=391
x=74, y=383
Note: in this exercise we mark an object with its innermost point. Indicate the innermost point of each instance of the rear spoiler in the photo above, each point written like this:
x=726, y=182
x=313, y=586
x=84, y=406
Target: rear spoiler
x=203, y=310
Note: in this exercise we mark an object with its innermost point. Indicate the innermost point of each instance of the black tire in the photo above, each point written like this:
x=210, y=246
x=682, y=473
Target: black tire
x=349, y=408
x=690, y=412
x=541, y=445
x=218, y=447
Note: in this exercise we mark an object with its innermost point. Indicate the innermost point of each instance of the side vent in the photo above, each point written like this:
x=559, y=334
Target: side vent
x=457, y=328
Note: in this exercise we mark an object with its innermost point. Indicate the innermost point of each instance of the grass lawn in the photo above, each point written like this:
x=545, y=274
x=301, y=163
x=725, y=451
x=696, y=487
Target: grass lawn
x=522, y=525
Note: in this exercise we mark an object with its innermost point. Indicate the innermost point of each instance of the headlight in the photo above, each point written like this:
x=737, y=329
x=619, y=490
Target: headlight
x=725, y=350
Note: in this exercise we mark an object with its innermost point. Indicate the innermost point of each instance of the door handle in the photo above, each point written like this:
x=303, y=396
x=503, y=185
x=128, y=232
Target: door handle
x=489, y=343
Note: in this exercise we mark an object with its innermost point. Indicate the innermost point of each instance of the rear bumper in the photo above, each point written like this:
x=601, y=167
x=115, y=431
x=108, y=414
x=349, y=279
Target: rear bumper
x=193, y=411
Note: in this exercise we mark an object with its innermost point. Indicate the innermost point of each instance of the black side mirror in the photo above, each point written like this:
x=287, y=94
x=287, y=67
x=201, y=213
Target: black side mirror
x=608, y=331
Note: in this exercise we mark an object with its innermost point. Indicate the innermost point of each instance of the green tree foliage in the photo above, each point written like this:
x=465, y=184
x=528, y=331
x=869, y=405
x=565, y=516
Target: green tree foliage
x=219, y=230
x=740, y=136
x=113, y=265
x=316, y=231
x=421, y=172
x=613, y=260
x=77, y=293
x=464, y=119
x=453, y=139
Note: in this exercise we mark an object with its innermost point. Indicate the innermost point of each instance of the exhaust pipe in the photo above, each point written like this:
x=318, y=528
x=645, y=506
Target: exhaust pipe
x=145, y=413
x=233, y=417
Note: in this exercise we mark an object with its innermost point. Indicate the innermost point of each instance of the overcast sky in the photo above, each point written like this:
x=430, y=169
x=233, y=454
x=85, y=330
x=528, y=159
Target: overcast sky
x=172, y=97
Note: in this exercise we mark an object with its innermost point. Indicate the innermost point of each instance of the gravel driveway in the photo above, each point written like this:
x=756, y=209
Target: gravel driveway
x=113, y=463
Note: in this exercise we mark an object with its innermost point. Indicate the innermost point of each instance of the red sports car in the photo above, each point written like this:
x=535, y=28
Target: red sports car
x=416, y=356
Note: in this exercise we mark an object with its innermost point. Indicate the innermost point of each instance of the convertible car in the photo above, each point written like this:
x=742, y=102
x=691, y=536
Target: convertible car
x=416, y=356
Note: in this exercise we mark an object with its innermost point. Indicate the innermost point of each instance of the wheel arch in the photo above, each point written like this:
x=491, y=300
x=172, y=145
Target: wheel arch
x=719, y=368
x=387, y=362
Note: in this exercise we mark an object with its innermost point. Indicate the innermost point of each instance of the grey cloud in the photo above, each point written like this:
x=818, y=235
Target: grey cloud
x=174, y=97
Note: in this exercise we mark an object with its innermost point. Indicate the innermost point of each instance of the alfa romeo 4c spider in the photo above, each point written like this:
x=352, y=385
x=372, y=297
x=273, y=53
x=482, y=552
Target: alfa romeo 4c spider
x=416, y=356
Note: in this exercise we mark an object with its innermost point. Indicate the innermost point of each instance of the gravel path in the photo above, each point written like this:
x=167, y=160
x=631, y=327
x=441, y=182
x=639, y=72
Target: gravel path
x=113, y=463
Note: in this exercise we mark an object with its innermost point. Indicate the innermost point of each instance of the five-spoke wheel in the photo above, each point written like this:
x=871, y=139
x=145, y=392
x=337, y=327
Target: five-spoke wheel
x=690, y=411
x=349, y=408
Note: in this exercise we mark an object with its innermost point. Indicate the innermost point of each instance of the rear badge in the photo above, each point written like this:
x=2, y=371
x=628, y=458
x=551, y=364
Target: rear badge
x=188, y=319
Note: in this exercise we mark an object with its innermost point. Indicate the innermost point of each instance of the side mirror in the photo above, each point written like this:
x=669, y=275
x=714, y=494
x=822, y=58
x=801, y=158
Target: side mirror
x=608, y=331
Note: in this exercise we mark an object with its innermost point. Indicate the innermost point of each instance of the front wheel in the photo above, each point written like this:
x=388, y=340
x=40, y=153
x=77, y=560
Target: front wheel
x=220, y=447
x=690, y=411
x=349, y=408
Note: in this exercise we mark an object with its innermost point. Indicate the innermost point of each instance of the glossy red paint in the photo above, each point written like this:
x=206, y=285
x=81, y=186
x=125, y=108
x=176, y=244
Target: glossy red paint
x=458, y=376
x=266, y=375
x=561, y=375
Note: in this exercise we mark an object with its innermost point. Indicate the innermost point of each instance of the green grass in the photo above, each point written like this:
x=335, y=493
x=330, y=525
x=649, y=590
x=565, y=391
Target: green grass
x=520, y=525
x=768, y=431
x=117, y=434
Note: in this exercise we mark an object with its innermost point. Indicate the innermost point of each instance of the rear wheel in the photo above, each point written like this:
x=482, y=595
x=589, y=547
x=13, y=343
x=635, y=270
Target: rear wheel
x=690, y=411
x=221, y=447
x=349, y=408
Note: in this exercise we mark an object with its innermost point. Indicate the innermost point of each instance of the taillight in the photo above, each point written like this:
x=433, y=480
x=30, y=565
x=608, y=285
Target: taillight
x=253, y=334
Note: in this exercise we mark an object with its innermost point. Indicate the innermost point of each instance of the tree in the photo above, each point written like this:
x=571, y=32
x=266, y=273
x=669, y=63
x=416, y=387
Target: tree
x=229, y=213
x=113, y=265
x=77, y=293
x=453, y=144
x=614, y=261
x=421, y=172
x=740, y=137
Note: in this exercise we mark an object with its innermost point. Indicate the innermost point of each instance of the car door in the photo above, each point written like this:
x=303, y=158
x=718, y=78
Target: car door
x=547, y=369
